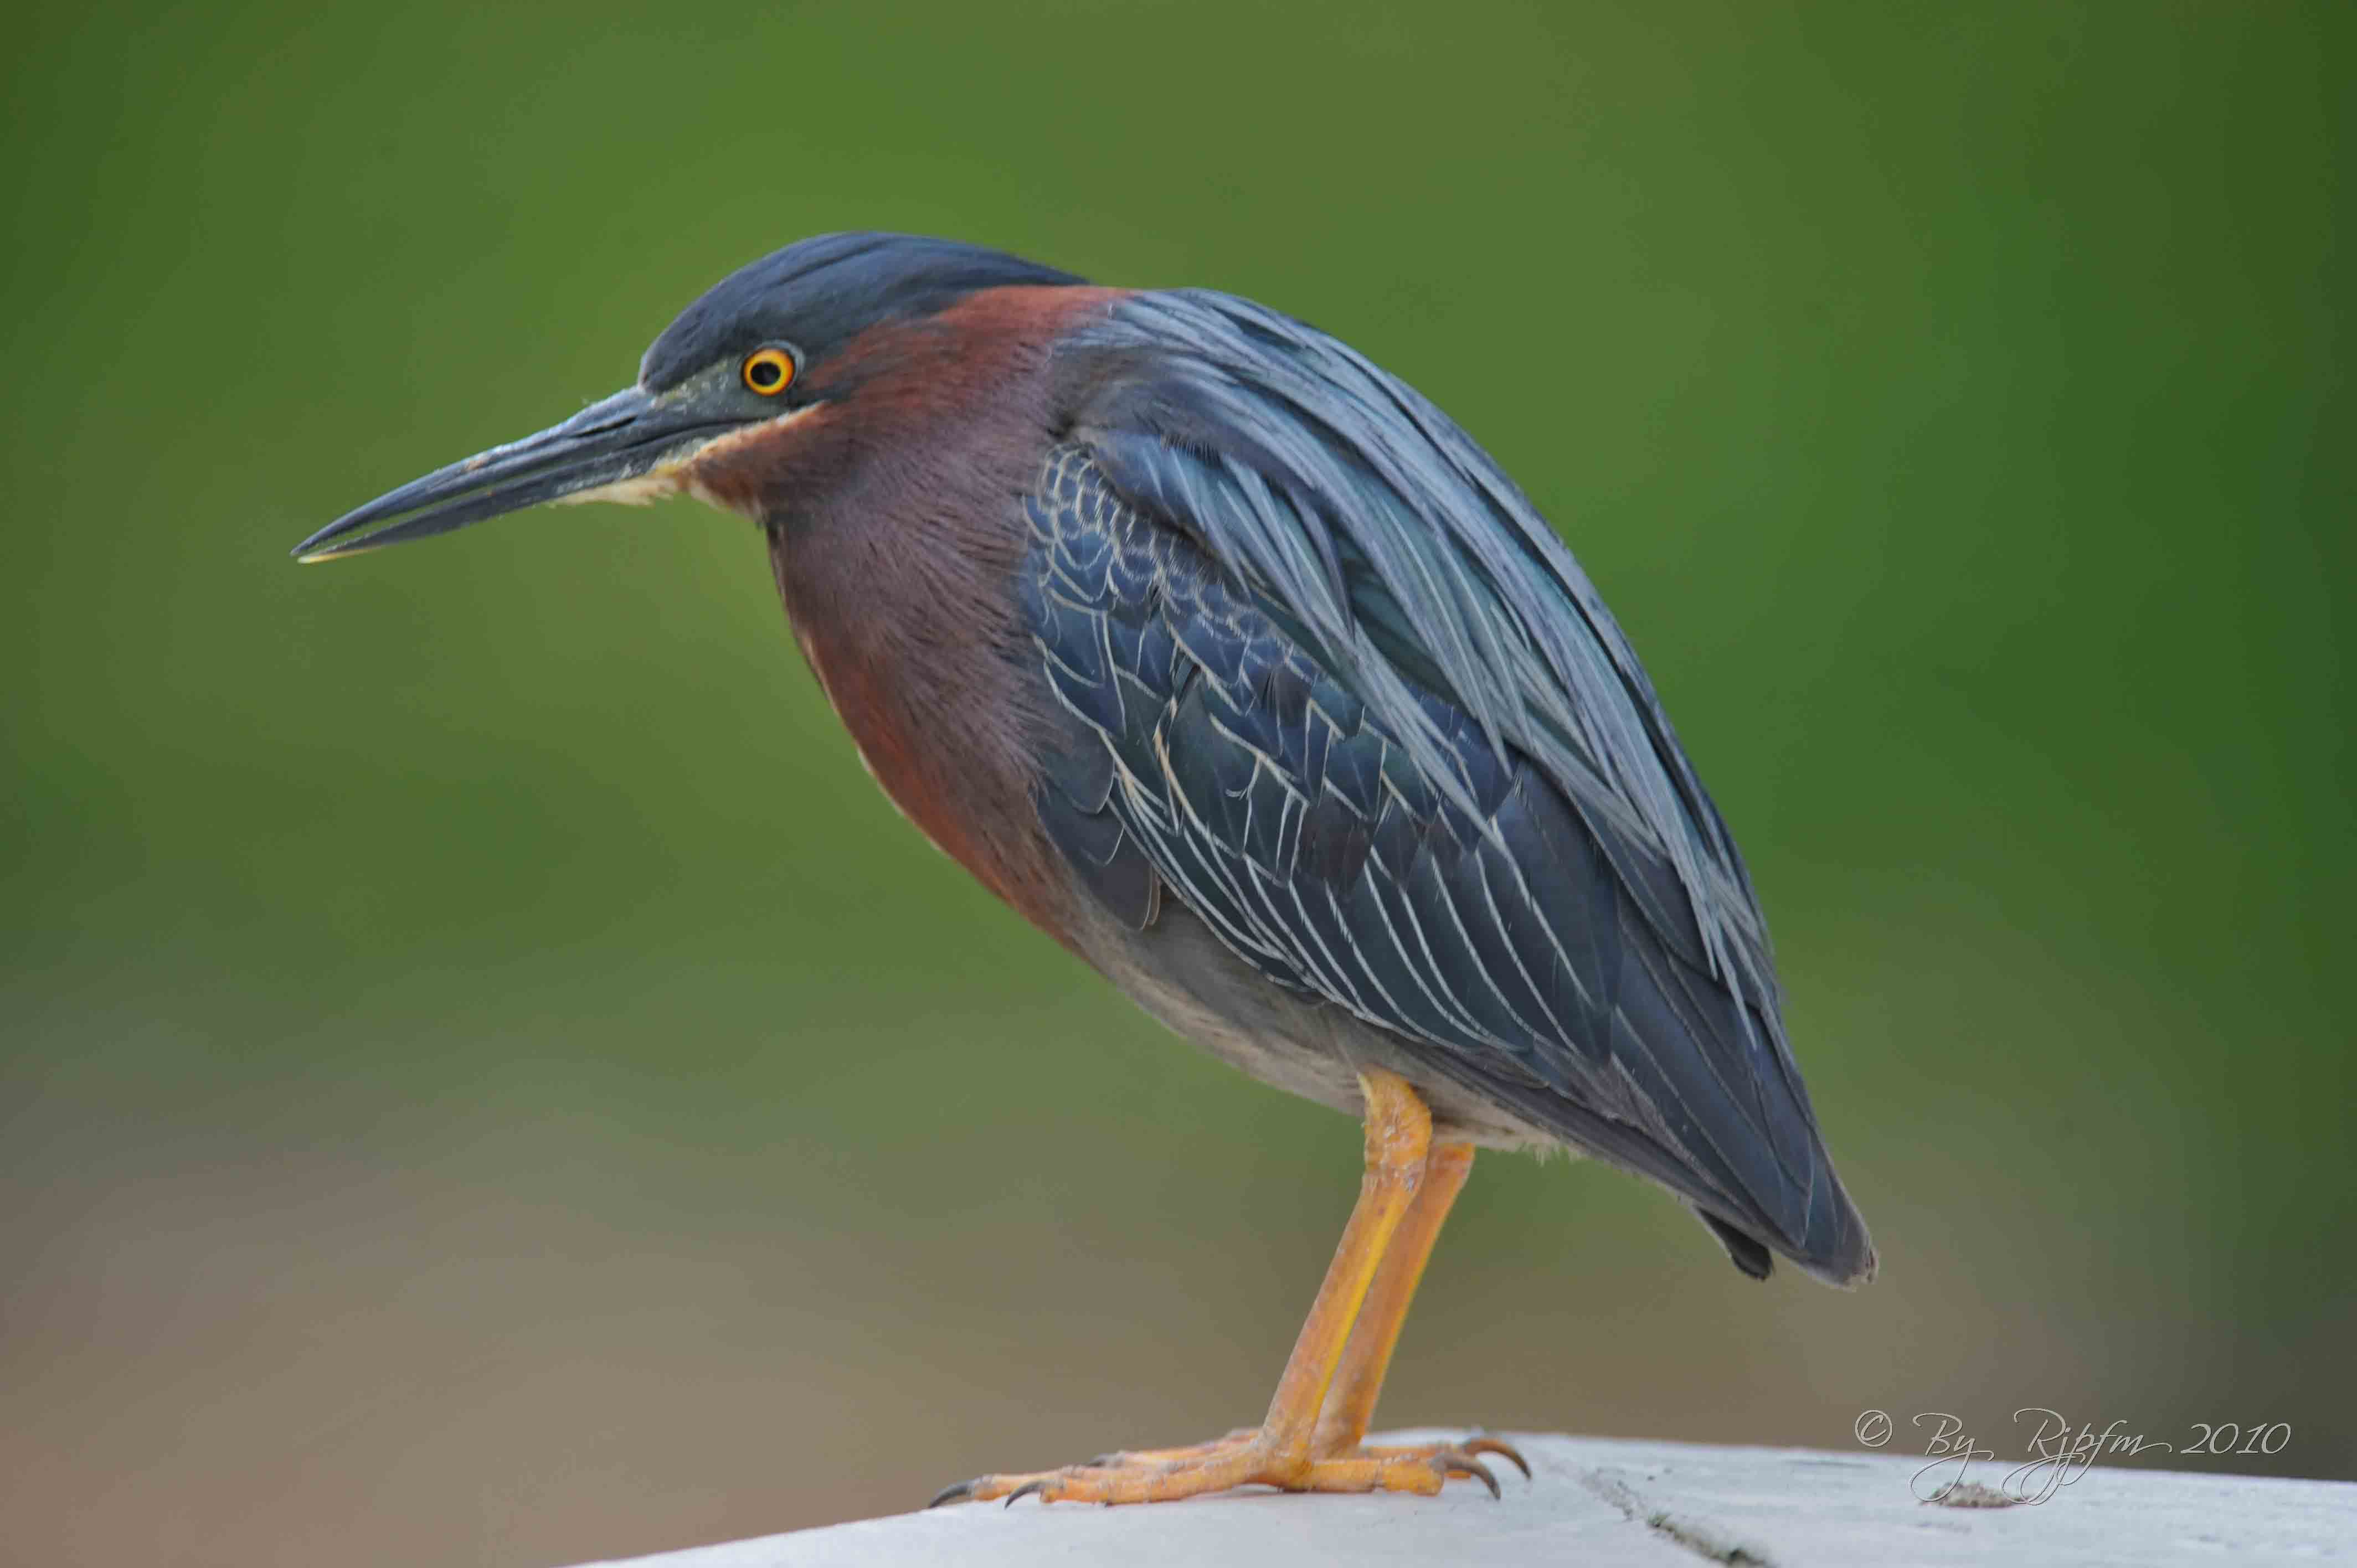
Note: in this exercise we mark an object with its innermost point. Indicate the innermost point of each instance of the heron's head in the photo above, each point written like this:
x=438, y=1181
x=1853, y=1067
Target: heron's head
x=729, y=392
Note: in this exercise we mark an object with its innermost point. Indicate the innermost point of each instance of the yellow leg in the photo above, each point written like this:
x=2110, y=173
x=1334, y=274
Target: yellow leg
x=1284, y=1450
x=1358, y=1381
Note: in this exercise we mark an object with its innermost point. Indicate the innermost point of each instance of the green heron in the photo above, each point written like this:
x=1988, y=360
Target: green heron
x=1237, y=668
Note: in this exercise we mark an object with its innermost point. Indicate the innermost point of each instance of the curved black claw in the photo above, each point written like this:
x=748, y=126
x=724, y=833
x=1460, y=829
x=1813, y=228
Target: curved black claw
x=1024, y=1490
x=1506, y=1451
x=1461, y=1463
x=956, y=1493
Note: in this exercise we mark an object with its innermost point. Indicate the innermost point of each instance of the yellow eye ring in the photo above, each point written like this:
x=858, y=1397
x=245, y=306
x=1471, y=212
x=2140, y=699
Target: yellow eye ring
x=768, y=370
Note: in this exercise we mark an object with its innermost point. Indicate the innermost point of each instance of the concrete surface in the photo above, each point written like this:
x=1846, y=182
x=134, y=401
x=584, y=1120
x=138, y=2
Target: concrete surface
x=1597, y=1503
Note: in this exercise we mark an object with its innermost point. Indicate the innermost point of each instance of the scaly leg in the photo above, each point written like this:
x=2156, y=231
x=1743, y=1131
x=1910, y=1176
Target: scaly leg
x=1282, y=1452
x=1358, y=1381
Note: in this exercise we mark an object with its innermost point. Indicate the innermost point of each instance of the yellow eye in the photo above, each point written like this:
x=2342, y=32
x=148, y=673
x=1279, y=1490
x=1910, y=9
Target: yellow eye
x=768, y=370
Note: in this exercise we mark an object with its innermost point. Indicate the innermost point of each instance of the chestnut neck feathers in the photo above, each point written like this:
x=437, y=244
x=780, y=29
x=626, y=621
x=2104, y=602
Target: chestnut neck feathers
x=892, y=512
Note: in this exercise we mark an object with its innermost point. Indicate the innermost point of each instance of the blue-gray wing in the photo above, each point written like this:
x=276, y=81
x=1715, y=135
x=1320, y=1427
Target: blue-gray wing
x=1335, y=685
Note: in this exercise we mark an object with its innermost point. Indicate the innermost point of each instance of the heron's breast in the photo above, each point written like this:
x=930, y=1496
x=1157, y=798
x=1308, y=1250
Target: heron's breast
x=949, y=757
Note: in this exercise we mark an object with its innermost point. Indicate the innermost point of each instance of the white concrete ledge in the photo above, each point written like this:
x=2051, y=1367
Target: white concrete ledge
x=1596, y=1503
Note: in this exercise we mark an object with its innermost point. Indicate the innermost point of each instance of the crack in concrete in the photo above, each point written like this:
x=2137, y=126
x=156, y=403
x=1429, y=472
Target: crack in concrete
x=1703, y=1539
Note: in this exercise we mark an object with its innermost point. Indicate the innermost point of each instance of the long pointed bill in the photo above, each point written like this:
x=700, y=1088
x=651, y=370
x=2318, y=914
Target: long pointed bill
x=630, y=447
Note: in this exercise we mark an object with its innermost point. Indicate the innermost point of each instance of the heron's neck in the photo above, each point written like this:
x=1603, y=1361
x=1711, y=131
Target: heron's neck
x=899, y=577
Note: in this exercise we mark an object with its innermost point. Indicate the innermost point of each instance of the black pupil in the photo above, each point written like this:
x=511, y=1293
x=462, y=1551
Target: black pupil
x=767, y=373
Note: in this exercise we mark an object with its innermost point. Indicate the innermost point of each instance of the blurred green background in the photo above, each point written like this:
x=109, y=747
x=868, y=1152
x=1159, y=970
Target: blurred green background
x=487, y=1079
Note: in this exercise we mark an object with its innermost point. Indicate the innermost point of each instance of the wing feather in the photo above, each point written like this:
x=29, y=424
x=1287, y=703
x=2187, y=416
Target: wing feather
x=1372, y=723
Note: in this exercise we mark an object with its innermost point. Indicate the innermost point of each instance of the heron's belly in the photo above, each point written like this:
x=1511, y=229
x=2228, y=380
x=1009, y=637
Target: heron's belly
x=1184, y=976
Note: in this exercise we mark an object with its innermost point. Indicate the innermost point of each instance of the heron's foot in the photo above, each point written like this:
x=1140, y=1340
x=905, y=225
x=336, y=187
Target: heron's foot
x=1473, y=1446
x=1244, y=1459
x=1170, y=1455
